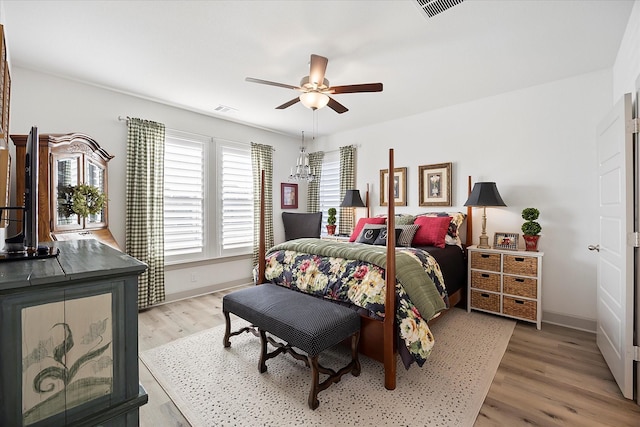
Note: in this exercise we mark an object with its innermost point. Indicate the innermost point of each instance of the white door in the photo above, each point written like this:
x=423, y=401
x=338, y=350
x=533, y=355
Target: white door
x=615, y=260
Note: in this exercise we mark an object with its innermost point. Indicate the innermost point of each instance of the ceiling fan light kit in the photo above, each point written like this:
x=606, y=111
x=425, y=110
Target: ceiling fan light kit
x=314, y=100
x=315, y=88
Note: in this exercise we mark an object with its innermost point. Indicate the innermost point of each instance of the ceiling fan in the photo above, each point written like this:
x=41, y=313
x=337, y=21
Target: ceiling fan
x=315, y=88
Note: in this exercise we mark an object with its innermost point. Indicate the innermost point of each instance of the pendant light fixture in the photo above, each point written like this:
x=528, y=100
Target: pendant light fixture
x=302, y=170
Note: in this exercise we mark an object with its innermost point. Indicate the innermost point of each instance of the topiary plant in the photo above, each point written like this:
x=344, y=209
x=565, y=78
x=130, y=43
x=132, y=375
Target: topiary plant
x=331, y=219
x=531, y=227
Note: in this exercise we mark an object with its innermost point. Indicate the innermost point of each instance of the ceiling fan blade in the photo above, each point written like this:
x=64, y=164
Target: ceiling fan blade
x=317, y=69
x=336, y=106
x=288, y=104
x=365, y=87
x=267, y=82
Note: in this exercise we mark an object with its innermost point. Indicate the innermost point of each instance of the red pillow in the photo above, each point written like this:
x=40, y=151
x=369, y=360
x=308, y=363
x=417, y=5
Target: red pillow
x=362, y=222
x=432, y=231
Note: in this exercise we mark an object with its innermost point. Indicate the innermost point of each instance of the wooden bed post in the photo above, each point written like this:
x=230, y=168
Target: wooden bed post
x=261, y=240
x=390, y=286
x=366, y=201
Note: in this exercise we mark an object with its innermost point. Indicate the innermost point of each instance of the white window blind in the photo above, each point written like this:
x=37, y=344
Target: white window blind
x=183, y=197
x=208, y=199
x=237, y=198
x=330, y=187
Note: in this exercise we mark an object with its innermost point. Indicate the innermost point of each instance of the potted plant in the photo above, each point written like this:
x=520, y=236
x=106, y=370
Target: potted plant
x=331, y=221
x=531, y=228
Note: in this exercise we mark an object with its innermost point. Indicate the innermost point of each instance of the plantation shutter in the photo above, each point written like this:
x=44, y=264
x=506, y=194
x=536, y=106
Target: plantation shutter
x=330, y=186
x=183, y=197
x=237, y=199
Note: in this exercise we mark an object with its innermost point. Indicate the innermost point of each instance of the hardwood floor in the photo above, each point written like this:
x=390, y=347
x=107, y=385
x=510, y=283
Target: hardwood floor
x=552, y=377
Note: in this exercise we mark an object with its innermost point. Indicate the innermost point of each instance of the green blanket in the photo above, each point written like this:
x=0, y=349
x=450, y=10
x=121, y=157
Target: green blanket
x=409, y=272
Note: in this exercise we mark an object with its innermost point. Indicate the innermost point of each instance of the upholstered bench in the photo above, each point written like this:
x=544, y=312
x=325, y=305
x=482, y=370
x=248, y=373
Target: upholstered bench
x=305, y=322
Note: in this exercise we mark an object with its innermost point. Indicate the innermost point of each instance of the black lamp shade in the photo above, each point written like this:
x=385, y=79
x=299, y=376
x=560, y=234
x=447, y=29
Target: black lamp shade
x=485, y=194
x=352, y=200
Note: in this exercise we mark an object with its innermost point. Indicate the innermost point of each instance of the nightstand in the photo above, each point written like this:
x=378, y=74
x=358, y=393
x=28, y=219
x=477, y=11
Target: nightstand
x=507, y=283
x=336, y=238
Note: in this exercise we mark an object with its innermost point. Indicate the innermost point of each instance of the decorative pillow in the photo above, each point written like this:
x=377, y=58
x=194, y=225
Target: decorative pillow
x=360, y=226
x=457, y=218
x=403, y=219
x=369, y=235
x=432, y=231
x=382, y=237
x=406, y=236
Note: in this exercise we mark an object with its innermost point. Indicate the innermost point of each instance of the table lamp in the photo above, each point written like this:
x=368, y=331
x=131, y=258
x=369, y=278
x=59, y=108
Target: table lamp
x=352, y=199
x=484, y=194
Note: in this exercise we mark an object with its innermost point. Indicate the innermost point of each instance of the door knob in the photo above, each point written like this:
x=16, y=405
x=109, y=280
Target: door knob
x=594, y=248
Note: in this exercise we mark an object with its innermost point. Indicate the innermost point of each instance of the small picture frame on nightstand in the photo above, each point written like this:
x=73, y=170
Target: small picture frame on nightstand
x=507, y=241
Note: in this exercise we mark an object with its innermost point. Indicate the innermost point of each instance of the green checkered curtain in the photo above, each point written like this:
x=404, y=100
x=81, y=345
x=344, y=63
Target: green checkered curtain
x=262, y=159
x=347, y=182
x=144, y=222
x=313, y=189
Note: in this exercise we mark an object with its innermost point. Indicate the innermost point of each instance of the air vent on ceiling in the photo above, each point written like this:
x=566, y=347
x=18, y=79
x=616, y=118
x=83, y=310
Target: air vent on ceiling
x=225, y=109
x=433, y=7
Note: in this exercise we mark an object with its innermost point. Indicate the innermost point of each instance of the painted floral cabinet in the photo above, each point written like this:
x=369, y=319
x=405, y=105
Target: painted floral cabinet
x=70, y=339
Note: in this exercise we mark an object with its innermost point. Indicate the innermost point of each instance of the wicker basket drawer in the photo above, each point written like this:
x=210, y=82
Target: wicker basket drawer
x=485, y=261
x=519, y=308
x=527, y=265
x=486, y=281
x=520, y=286
x=485, y=301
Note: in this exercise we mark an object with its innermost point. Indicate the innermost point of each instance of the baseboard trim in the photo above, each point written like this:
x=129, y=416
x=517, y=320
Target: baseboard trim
x=573, y=322
x=206, y=290
x=560, y=319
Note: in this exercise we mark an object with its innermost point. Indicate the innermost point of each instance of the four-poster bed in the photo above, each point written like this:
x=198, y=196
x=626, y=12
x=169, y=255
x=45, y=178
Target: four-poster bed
x=379, y=335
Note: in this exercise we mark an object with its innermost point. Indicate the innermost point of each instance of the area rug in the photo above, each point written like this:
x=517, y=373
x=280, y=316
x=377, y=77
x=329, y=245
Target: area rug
x=214, y=386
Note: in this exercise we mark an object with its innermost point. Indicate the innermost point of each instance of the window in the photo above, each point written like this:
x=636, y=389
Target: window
x=330, y=186
x=183, y=197
x=208, y=198
x=237, y=199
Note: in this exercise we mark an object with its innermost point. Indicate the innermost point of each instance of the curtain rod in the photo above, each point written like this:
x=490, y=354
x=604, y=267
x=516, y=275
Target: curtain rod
x=126, y=119
x=338, y=149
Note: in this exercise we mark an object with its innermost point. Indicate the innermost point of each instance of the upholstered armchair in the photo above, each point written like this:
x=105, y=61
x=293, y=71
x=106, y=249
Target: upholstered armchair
x=299, y=225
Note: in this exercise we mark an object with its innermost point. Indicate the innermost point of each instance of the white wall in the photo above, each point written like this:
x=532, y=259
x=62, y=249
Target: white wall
x=626, y=69
x=538, y=145
x=57, y=105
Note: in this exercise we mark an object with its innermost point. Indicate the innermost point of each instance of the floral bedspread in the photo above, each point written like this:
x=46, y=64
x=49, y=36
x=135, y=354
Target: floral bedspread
x=360, y=283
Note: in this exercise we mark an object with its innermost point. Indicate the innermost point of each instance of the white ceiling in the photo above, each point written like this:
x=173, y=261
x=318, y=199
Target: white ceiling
x=196, y=54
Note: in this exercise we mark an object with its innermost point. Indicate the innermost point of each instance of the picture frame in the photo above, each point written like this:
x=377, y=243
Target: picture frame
x=434, y=184
x=288, y=196
x=507, y=241
x=400, y=186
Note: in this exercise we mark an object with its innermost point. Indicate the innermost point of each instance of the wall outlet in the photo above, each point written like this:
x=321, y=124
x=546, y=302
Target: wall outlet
x=193, y=277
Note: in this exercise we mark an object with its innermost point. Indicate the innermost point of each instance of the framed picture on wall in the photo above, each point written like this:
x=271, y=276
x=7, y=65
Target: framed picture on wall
x=288, y=196
x=399, y=186
x=434, y=184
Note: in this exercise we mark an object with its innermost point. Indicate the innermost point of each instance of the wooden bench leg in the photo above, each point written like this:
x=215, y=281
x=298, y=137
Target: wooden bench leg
x=333, y=376
x=227, y=329
x=355, y=339
x=315, y=379
x=262, y=365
